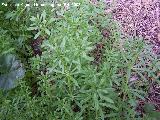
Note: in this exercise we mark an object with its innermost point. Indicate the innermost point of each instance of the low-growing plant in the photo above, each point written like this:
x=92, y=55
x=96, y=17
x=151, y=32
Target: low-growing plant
x=82, y=73
x=11, y=70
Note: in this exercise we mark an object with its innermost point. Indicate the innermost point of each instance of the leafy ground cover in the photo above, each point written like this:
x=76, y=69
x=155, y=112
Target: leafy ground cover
x=74, y=64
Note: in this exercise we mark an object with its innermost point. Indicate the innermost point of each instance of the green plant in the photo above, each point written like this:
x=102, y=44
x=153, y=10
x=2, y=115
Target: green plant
x=10, y=71
x=64, y=83
x=6, y=46
x=41, y=24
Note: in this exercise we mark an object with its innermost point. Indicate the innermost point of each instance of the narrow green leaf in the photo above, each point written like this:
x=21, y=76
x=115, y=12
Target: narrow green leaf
x=37, y=35
x=107, y=99
x=32, y=28
x=33, y=19
x=87, y=57
x=51, y=20
x=63, y=43
x=96, y=103
x=109, y=106
x=47, y=31
x=8, y=51
x=103, y=91
x=43, y=15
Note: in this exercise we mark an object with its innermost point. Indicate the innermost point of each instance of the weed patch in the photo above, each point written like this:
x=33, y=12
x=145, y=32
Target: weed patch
x=78, y=66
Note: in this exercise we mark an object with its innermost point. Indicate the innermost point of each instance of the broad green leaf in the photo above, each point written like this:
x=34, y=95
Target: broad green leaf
x=149, y=107
x=13, y=71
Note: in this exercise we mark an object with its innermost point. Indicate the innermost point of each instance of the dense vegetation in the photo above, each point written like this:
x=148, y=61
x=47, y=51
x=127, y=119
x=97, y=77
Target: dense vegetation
x=72, y=64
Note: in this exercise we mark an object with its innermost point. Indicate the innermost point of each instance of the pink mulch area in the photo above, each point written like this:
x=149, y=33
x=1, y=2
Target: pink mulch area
x=138, y=18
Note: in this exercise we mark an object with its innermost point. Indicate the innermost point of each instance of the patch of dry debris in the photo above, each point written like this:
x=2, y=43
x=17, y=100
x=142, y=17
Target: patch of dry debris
x=138, y=18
